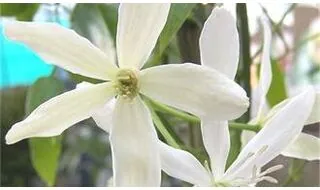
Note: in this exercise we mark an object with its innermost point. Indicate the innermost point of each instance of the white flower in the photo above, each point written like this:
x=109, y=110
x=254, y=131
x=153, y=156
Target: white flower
x=193, y=88
x=305, y=146
x=281, y=129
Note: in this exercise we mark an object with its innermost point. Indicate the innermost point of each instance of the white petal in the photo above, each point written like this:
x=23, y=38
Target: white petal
x=219, y=42
x=305, y=147
x=216, y=140
x=57, y=114
x=139, y=26
x=265, y=69
x=135, y=155
x=275, y=110
x=102, y=115
x=256, y=105
x=196, y=89
x=277, y=133
x=183, y=165
x=231, y=7
x=62, y=47
x=315, y=114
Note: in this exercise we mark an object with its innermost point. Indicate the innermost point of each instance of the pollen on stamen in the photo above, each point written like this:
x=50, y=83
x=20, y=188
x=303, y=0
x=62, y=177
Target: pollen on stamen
x=126, y=83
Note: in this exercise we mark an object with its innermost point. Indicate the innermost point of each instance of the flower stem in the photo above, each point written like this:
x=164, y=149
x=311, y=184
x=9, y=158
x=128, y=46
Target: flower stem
x=166, y=109
x=161, y=127
x=193, y=119
x=245, y=58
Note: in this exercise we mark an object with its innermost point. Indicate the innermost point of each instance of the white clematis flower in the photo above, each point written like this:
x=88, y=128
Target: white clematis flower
x=196, y=89
x=305, y=146
x=281, y=129
x=267, y=144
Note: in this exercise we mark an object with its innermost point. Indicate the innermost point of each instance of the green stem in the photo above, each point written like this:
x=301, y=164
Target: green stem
x=243, y=126
x=166, y=109
x=295, y=170
x=245, y=58
x=162, y=129
x=193, y=119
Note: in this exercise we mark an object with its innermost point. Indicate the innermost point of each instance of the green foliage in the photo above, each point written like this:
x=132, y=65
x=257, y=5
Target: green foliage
x=45, y=152
x=177, y=16
x=277, y=91
x=13, y=157
x=22, y=11
x=109, y=13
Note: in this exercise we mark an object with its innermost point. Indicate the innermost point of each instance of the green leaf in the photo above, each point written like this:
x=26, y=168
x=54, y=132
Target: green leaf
x=91, y=22
x=177, y=16
x=45, y=152
x=277, y=91
x=11, y=9
x=110, y=15
x=22, y=11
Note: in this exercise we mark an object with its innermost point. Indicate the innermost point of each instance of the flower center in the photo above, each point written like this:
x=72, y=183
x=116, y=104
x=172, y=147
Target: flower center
x=126, y=83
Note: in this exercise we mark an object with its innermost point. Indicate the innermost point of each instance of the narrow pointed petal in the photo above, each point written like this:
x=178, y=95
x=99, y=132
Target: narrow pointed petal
x=139, y=26
x=216, y=140
x=219, y=42
x=306, y=147
x=265, y=68
x=314, y=116
x=196, y=89
x=57, y=114
x=183, y=165
x=62, y=47
x=135, y=155
x=277, y=133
